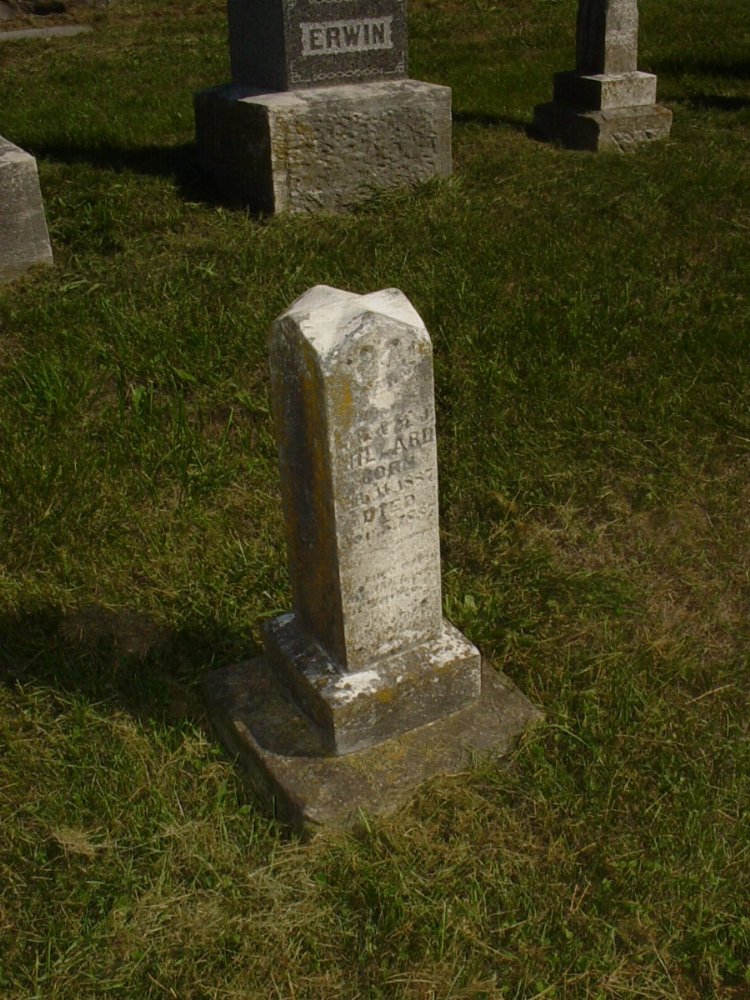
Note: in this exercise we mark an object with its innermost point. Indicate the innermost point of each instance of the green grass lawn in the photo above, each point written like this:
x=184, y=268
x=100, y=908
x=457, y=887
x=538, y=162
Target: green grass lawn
x=591, y=323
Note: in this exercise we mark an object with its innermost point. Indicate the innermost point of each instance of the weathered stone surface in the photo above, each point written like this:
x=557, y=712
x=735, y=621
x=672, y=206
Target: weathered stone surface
x=351, y=379
x=24, y=239
x=366, y=652
x=604, y=92
x=620, y=129
x=350, y=711
x=288, y=766
x=365, y=670
x=294, y=44
x=606, y=103
x=607, y=36
x=323, y=149
x=320, y=115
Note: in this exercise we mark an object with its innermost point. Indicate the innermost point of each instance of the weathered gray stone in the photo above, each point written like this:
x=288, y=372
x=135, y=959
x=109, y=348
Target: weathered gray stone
x=604, y=92
x=320, y=115
x=366, y=652
x=366, y=656
x=323, y=149
x=24, y=239
x=286, y=765
x=607, y=36
x=351, y=380
x=620, y=129
x=606, y=103
x=292, y=44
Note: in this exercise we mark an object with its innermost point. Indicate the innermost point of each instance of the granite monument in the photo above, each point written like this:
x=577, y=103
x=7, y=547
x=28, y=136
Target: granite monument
x=320, y=113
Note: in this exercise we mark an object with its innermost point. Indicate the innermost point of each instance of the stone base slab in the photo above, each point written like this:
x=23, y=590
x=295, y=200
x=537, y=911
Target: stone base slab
x=284, y=762
x=24, y=239
x=357, y=709
x=605, y=91
x=619, y=129
x=325, y=148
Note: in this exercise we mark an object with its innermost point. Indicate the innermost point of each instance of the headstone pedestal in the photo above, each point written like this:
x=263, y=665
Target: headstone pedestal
x=365, y=689
x=606, y=103
x=319, y=114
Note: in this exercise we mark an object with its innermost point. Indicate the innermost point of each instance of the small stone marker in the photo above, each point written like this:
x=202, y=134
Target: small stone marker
x=24, y=239
x=606, y=103
x=319, y=114
x=365, y=689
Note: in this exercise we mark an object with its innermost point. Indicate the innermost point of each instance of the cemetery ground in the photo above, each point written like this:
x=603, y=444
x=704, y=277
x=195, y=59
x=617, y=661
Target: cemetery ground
x=591, y=327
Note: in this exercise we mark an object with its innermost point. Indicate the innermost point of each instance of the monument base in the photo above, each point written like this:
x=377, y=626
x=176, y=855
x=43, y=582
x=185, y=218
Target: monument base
x=356, y=709
x=323, y=149
x=285, y=762
x=25, y=239
x=613, y=128
x=604, y=91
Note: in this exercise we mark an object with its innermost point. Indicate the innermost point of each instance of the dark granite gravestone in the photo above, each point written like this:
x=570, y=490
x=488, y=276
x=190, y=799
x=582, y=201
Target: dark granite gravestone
x=320, y=114
x=606, y=103
x=290, y=44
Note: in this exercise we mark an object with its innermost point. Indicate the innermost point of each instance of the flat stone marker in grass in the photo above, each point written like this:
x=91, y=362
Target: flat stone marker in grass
x=365, y=689
x=606, y=103
x=24, y=239
x=320, y=114
x=63, y=31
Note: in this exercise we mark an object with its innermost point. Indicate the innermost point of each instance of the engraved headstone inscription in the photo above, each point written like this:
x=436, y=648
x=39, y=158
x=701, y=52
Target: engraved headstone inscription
x=292, y=44
x=359, y=483
x=320, y=114
x=606, y=102
x=375, y=690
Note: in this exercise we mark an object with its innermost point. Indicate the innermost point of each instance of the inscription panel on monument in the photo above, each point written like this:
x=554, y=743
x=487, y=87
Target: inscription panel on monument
x=344, y=41
x=385, y=476
x=353, y=396
x=335, y=37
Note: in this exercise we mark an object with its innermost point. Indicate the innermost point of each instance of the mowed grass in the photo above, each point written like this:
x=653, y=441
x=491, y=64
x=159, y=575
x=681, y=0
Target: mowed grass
x=591, y=325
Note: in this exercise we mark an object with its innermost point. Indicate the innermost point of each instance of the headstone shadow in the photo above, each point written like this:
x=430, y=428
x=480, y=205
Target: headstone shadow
x=718, y=103
x=492, y=121
x=683, y=66
x=121, y=658
x=703, y=99
x=178, y=162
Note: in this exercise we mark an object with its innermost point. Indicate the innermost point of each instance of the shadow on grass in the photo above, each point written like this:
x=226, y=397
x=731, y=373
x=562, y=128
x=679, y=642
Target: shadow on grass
x=178, y=162
x=717, y=103
x=480, y=118
x=702, y=67
x=121, y=658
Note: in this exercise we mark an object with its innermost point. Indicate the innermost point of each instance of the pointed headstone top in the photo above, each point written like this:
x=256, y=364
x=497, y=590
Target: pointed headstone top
x=326, y=316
